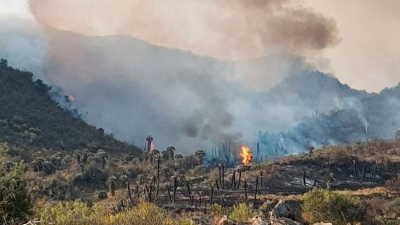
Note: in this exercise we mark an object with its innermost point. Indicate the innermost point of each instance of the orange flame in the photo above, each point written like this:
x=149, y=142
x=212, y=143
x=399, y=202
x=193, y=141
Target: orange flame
x=151, y=147
x=246, y=155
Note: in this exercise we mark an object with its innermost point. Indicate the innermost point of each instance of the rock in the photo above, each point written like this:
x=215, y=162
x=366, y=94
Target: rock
x=102, y=195
x=225, y=221
x=287, y=210
x=284, y=221
x=322, y=223
x=258, y=221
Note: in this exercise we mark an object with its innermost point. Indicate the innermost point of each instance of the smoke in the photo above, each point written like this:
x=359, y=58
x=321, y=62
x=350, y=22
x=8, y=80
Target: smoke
x=193, y=74
x=367, y=57
x=23, y=44
x=220, y=29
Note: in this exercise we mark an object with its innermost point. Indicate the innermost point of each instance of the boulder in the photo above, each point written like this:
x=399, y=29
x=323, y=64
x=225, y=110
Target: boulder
x=284, y=221
x=102, y=195
x=258, y=221
x=225, y=221
x=287, y=210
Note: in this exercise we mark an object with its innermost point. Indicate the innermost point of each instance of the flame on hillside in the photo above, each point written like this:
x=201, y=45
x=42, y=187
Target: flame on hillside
x=151, y=147
x=246, y=155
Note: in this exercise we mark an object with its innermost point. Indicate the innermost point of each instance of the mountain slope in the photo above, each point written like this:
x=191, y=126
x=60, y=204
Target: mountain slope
x=362, y=117
x=30, y=118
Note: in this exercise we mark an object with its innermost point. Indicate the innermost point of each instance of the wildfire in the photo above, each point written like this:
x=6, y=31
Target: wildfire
x=246, y=155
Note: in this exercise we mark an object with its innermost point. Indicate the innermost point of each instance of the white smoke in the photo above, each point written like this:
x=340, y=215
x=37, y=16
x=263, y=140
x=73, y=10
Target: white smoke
x=23, y=44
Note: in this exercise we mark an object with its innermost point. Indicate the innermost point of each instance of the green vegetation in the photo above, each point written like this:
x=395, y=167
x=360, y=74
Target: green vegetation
x=324, y=205
x=241, y=212
x=15, y=200
x=76, y=174
x=29, y=118
x=77, y=213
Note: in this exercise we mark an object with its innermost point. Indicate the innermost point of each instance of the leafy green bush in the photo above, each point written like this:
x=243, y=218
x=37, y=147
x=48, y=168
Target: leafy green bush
x=380, y=220
x=77, y=213
x=324, y=205
x=218, y=211
x=266, y=207
x=241, y=212
x=15, y=201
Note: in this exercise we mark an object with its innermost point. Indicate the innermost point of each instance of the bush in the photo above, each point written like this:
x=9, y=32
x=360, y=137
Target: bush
x=241, y=212
x=66, y=213
x=380, y=220
x=77, y=212
x=15, y=201
x=322, y=205
x=266, y=207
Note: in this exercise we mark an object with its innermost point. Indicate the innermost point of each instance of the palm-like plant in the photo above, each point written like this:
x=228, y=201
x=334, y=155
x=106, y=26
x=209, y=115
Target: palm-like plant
x=149, y=139
x=170, y=152
x=199, y=156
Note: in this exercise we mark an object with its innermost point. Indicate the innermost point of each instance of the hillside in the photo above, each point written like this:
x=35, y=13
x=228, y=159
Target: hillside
x=29, y=118
x=67, y=170
x=338, y=115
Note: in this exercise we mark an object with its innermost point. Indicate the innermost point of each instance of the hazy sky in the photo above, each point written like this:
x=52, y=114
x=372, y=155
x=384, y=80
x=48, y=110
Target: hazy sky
x=367, y=55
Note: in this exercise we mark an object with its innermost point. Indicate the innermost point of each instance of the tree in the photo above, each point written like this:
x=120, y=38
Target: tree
x=170, y=152
x=15, y=201
x=4, y=62
x=397, y=135
x=199, y=156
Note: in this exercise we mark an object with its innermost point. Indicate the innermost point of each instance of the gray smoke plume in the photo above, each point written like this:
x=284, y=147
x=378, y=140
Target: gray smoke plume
x=220, y=29
x=132, y=87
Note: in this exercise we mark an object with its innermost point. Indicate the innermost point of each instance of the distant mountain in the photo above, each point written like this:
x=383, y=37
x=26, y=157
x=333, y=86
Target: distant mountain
x=359, y=116
x=29, y=118
x=133, y=89
x=321, y=92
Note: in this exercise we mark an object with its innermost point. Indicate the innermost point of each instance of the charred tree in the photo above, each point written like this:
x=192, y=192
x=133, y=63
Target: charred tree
x=355, y=169
x=255, y=194
x=211, y=195
x=245, y=190
x=240, y=177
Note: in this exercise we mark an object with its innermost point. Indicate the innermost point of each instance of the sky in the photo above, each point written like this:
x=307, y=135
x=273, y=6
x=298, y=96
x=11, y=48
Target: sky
x=365, y=57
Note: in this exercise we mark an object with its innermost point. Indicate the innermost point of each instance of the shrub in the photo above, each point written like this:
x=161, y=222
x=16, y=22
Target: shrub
x=323, y=205
x=241, y=212
x=15, y=201
x=218, y=211
x=77, y=212
x=65, y=213
x=380, y=220
x=143, y=214
x=266, y=207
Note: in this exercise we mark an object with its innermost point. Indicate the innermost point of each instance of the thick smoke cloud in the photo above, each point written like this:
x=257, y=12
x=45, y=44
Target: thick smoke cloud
x=368, y=55
x=259, y=81
x=221, y=29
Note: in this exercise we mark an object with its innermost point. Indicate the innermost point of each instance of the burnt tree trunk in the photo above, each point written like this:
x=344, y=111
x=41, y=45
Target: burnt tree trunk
x=245, y=190
x=211, y=195
x=355, y=169
x=189, y=192
x=169, y=193
x=255, y=194
x=375, y=170
x=240, y=177
x=363, y=174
